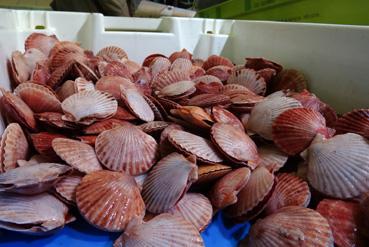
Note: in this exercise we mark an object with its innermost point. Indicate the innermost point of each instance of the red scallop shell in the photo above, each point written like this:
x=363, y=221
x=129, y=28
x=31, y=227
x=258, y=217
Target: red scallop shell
x=271, y=157
x=109, y=200
x=98, y=127
x=262, y=63
x=164, y=79
x=295, y=129
x=207, y=100
x=290, y=79
x=248, y=78
x=147, y=61
x=235, y=144
x=42, y=142
x=180, y=54
x=209, y=173
x=356, y=121
x=137, y=104
x=221, y=115
x=40, y=41
x=221, y=71
x=215, y=60
x=112, y=53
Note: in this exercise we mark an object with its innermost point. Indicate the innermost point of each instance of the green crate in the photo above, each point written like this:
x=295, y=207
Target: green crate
x=320, y=11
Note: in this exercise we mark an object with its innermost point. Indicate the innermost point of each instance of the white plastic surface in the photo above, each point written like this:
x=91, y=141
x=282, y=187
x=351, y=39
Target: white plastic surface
x=334, y=58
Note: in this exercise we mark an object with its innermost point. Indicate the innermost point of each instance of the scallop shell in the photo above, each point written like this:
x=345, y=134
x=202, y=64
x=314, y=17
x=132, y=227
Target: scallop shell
x=165, y=146
x=89, y=104
x=81, y=84
x=137, y=104
x=339, y=166
x=13, y=147
x=32, y=214
x=66, y=90
x=264, y=113
x=195, y=208
x=208, y=84
x=163, y=230
x=14, y=108
x=194, y=116
x=356, y=121
x=112, y=52
x=90, y=140
x=196, y=72
x=225, y=190
x=140, y=180
x=41, y=42
x=19, y=70
x=290, y=190
x=54, y=119
x=291, y=226
x=198, y=62
x=39, y=98
x=153, y=126
x=131, y=65
x=209, y=173
x=63, y=53
x=31, y=180
x=114, y=68
x=177, y=89
x=142, y=79
x=126, y=148
x=196, y=145
x=147, y=61
x=109, y=200
x=159, y=65
x=98, y=127
x=268, y=74
x=67, y=186
x=158, y=110
x=271, y=158
x=262, y=63
x=123, y=114
x=112, y=84
x=180, y=54
x=36, y=159
x=164, y=79
x=256, y=190
x=248, y=78
x=181, y=64
x=215, y=60
x=59, y=75
x=167, y=182
x=235, y=144
x=290, y=79
x=42, y=142
x=221, y=115
x=295, y=129
x=40, y=74
x=220, y=71
x=77, y=154
x=207, y=100
x=341, y=217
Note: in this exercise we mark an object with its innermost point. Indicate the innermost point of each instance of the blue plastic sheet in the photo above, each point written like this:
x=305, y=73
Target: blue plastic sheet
x=219, y=233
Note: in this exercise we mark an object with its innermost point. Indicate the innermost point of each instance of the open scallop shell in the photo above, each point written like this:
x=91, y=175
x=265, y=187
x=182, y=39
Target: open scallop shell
x=39, y=98
x=98, y=127
x=221, y=115
x=159, y=65
x=67, y=186
x=295, y=129
x=215, y=60
x=42, y=142
x=225, y=190
x=208, y=100
x=112, y=84
x=137, y=104
x=112, y=53
x=89, y=104
x=164, y=79
x=32, y=179
x=356, y=121
x=256, y=190
x=35, y=214
x=264, y=113
x=248, y=78
x=41, y=42
x=262, y=63
x=342, y=217
x=291, y=226
x=161, y=231
x=271, y=157
x=180, y=54
x=209, y=173
x=339, y=166
x=235, y=144
x=109, y=200
x=195, y=208
x=126, y=148
x=167, y=182
x=13, y=147
x=220, y=71
x=192, y=144
x=290, y=190
x=77, y=154
x=290, y=79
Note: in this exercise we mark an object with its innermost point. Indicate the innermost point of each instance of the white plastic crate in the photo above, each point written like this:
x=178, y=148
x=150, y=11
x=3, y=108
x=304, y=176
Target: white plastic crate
x=335, y=58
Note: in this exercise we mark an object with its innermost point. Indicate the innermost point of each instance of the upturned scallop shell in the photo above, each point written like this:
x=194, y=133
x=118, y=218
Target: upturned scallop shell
x=271, y=157
x=248, y=78
x=98, y=127
x=235, y=144
x=290, y=190
x=356, y=121
x=164, y=79
x=35, y=214
x=290, y=79
x=208, y=173
x=42, y=142
x=291, y=226
x=41, y=42
x=112, y=52
x=161, y=231
x=208, y=100
x=189, y=143
x=109, y=200
x=220, y=71
x=215, y=60
x=126, y=148
x=339, y=166
x=13, y=147
x=67, y=186
x=224, y=192
x=34, y=179
x=112, y=84
x=256, y=190
x=39, y=98
x=342, y=217
x=89, y=104
x=77, y=154
x=14, y=108
x=264, y=113
x=295, y=129
x=159, y=65
x=221, y=115
x=137, y=104
x=262, y=63
x=181, y=64
x=167, y=182
x=195, y=208
x=180, y=54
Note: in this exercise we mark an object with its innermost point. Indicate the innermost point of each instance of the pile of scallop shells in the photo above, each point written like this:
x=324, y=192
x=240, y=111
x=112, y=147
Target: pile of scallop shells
x=153, y=151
